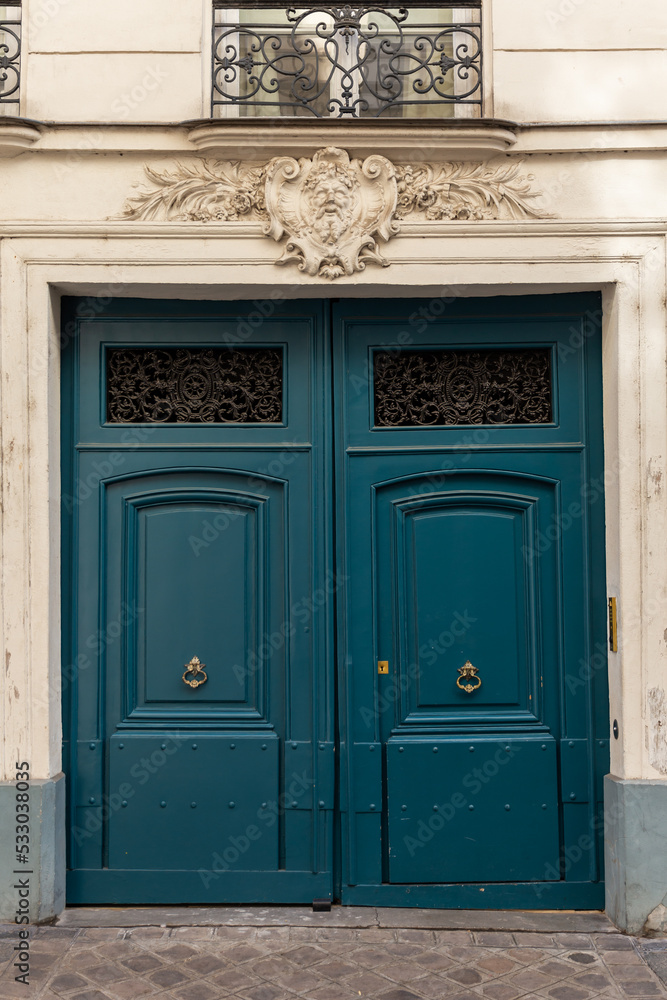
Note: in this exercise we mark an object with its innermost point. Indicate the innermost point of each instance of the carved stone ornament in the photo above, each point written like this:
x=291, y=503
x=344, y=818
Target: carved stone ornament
x=466, y=191
x=330, y=212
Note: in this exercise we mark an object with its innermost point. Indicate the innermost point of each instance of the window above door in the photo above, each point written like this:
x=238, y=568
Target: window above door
x=418, y=60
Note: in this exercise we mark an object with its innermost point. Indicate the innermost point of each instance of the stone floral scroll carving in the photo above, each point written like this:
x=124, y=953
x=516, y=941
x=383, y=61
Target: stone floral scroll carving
x=201, y=191
x=331, y=213
x=466, y=191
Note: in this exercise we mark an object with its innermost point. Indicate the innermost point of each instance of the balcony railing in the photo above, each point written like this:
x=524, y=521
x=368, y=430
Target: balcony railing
x=418, y=60
x=10, y=55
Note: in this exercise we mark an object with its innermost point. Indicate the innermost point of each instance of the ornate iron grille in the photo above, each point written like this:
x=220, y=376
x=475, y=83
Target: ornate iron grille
x=347, y=61
x=10, y=53
x=434, y=388
x=171, y=385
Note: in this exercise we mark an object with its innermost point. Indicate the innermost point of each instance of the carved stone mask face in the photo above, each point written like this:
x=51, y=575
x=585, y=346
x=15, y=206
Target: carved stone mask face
x=330, y=200
x=331, y=196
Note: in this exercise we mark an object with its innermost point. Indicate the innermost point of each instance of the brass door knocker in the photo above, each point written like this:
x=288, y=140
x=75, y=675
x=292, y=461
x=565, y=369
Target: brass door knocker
x=195, y=667
x=468, y=673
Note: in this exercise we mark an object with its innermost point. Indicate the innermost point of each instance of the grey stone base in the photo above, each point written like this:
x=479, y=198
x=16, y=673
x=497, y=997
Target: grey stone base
x=636, y=854
x=45, y=869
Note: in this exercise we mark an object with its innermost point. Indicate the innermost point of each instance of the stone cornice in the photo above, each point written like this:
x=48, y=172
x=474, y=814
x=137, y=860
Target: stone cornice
x=17, y=135
x=121, y=230
x=404, y=141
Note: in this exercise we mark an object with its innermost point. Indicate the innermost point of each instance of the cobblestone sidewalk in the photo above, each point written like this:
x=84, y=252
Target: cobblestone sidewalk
x=327, y=963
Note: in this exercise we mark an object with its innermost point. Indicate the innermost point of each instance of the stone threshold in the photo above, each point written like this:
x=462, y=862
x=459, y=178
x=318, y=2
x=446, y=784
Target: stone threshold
x=545, y=921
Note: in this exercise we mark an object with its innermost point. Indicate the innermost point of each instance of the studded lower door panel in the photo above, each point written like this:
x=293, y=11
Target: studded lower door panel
x=476, y=810
x=204, y=801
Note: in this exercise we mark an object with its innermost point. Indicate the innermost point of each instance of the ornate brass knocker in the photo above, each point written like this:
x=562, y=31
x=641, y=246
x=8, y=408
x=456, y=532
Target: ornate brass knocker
x=195, y=667
x=468, y=673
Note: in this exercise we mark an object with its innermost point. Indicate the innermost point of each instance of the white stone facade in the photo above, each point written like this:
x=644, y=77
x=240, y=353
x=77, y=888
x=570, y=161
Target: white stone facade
x=110, y=89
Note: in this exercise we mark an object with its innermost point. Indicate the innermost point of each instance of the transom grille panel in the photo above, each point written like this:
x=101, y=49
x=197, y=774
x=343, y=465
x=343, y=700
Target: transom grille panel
x=172, y=385
x=417, y=388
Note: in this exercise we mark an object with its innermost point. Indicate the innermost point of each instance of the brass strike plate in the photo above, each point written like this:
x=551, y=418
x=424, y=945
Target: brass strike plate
x=383, y=666
x=613, y=627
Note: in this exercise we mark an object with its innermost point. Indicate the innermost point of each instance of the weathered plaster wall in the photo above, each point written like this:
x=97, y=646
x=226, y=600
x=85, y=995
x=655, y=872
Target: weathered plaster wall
x=89, y=61
x=656, y=729
x=560, y=60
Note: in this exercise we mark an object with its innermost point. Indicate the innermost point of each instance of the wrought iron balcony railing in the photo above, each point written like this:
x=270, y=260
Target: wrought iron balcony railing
x=10, y=54
x=422, y=59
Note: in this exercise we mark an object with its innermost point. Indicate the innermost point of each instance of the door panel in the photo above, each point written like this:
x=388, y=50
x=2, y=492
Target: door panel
x=190, y=599
x=482, y=542
x=472, y=541
x=208, y=799
x=199, y=503
x=194, y=597
x=468, y=817
x=454, y=585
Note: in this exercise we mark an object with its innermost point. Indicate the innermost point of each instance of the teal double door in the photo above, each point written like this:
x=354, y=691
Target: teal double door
x=334, y=608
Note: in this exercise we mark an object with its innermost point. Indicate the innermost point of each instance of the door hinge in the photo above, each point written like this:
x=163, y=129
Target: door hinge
x=613, y=626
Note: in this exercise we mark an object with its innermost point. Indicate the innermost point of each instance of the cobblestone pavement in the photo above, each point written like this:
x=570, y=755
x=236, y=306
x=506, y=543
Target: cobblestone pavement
x=326, y=963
